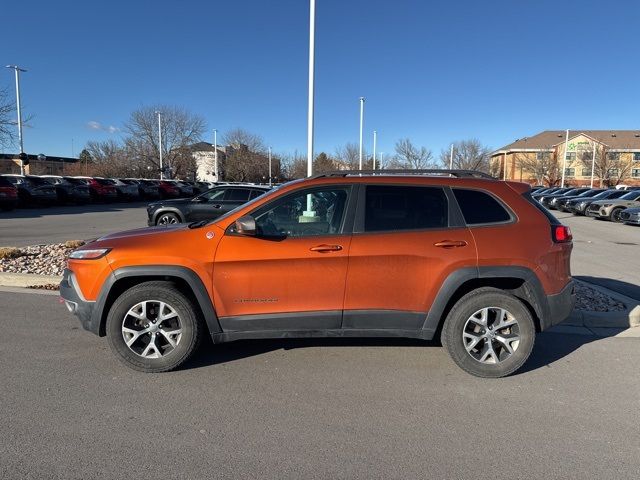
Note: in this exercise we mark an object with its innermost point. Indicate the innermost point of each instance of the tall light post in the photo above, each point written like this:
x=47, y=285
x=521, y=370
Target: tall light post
x=361, y=126
x=451, y=158
x=375, y=139
x=269, y=166
x=215, y=153
x=160, y=142
x=17, y=71
x=564, y=160
x=593, y=162
x=312, y=37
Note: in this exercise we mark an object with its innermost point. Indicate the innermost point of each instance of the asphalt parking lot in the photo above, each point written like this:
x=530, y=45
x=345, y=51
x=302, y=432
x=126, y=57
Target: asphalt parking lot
x=309, y=409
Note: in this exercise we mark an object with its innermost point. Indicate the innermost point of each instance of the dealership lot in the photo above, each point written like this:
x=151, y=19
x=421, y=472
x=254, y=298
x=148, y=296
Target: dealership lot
x=308, y=409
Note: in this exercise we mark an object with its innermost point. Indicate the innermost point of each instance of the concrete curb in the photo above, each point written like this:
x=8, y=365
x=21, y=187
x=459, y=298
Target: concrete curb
x=27, y=279
x=623, y=319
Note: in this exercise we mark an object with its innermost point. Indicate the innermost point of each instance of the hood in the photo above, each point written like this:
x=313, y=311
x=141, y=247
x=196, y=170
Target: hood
x=143, y=232
x=175, y=201
x=617, y=201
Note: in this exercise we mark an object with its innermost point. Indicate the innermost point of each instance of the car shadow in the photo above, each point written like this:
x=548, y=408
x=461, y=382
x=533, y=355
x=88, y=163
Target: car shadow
x=47, y=211
x=619, y=286
x=549, y=348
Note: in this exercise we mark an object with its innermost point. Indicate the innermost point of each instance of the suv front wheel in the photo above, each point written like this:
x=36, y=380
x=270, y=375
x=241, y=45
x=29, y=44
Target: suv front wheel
x=489, y=333
x=153, y=327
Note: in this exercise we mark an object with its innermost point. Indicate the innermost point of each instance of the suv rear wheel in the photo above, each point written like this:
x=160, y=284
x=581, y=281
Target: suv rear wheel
x=153, y=327
x=489, y=333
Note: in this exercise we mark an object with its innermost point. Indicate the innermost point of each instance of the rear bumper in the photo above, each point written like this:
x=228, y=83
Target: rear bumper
x=76, y=304
x=560, y=306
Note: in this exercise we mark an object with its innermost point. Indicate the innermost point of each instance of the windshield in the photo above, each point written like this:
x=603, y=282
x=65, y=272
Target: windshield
x=268, y=194
x=633, y=195
x=590, y=193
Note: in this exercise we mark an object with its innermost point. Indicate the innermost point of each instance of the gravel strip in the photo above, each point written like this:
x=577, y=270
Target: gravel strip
x=51, y=259
x=39, y=259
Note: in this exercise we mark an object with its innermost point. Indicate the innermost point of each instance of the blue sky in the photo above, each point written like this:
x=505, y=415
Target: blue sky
x=431, y=71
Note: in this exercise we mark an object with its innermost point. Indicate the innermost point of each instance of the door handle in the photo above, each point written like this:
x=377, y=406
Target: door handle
x=326, y=248
x=217, y=206
x=451, y=244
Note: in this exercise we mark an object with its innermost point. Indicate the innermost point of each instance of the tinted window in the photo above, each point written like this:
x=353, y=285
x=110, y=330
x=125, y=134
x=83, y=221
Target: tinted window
x=630, y=196
x=390, y=208
x=5, y=183
x=256, y=193
x=303, y=214
x=211, y=195
x=480, y=207
x=237, y=195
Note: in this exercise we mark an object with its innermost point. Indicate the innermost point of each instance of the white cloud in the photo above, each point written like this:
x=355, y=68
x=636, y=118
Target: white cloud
x=93, y=125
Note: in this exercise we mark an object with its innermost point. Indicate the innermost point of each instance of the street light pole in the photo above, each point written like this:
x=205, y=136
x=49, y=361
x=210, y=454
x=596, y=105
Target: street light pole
x=593, y=162
x=451, y=158
x=17, y=71
x=361, y=126
x=564, y=161
x=269, y=166
x=312, y=36
x=215, y=153
x=160, y=142
x=375, y=139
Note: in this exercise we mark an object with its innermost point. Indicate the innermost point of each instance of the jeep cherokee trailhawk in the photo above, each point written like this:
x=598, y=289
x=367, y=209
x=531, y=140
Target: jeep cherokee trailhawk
x=448, y=254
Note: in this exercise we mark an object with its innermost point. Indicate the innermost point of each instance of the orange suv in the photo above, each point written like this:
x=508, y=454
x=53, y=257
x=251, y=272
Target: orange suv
x=423, y=254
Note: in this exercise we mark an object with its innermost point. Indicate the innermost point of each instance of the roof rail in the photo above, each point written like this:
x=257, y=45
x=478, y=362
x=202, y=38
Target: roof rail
x=431, y=171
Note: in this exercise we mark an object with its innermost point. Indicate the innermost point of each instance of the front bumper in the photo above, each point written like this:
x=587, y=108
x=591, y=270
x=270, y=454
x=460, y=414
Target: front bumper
x=76, y=304
x=631, y=218
x=560, y=306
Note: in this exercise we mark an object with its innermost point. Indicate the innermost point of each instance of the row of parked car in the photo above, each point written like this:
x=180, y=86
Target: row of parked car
x=30, y=190
x=615, y=205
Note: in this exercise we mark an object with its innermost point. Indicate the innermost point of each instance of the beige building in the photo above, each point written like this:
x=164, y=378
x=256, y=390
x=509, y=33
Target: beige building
x=610, y=157
x=38, y=165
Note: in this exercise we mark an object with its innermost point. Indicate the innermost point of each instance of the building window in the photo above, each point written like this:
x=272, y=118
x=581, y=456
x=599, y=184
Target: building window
x=586, y=172
x=540, y=156
x=636, y=156
x=571, y=156
x=569, y=172
x=613, y=156
x=635, y=172
x=612, y=172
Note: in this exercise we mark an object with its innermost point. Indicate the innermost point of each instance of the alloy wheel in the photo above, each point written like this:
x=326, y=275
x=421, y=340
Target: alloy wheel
x=167, y=219
x=491, y=335
x=152, y=329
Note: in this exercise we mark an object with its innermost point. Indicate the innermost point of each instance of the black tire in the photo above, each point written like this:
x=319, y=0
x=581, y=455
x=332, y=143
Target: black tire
x=167, y=218
x=190, y=323
x=460, y=314
x=615, y=215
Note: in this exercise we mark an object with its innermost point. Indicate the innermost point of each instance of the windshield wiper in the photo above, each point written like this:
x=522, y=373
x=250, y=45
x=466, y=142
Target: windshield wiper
x=199, y=224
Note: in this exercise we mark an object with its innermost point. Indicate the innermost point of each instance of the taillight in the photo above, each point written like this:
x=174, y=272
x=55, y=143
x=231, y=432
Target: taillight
x=561, y=233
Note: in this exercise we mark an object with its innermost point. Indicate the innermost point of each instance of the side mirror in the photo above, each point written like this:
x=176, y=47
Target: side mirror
x=246, y=225
x=199, y=199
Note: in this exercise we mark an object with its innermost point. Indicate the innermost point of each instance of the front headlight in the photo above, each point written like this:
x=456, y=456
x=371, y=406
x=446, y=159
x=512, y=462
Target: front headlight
x=606, y=205
x=93, y=254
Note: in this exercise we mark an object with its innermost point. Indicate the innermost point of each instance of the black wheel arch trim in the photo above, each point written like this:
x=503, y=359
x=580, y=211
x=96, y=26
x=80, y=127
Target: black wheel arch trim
x=193, y=280
x=164, y=210
x=531, y=290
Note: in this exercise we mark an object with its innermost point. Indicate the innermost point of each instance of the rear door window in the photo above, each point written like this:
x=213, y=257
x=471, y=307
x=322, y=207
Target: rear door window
x=479, y=208
x=395, y=208
x=239, y=195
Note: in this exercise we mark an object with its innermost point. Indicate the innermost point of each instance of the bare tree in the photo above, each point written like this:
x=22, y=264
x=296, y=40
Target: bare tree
x=409, y=156
x=180, y=128
x=347, y=157
x=543, y=166
x=7, y=120
x=609, y=167
x=245, y=157
x=468, y=155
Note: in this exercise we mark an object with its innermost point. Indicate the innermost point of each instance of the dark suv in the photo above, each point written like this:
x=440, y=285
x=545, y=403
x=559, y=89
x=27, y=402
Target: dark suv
x=206, y=206
x=33, y=190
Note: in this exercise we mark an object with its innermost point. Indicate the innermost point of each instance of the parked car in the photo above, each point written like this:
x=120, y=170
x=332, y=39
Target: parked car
x=631, y=216
x=32, y=190
x=99, y=191
x=610, y=209
x=184, y=189
x=206, y=206
x=558, y=191
x=348, y=253
x=147, y=189
x=68, y=192
x=543, y=191
x=579, y=206
x=8, y=195
x=126, y=191
x=550, y=201
x=561, y=203
x=167, y=189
